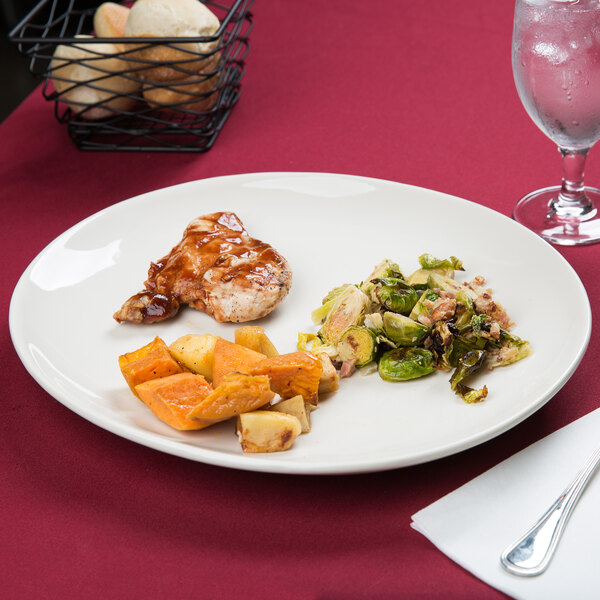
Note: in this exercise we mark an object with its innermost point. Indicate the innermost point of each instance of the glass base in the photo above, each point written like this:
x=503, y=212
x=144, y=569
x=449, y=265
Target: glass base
x=535, y=211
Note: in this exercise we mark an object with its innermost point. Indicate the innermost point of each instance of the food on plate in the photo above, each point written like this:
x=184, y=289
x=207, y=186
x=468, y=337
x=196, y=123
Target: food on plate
x=195, y=352
x=298, y=407
x=407, y=327
x=169, y=19
x=172, y=398
x=329, y=381
x=200, y=380
x=91, y=78
x=236, y=393
x=230, y=357
x=152, y=361
x=358, y=344
x=296, y=373
x=401, y=364
x=255, y=338
x=217, y=268
x=267, y=431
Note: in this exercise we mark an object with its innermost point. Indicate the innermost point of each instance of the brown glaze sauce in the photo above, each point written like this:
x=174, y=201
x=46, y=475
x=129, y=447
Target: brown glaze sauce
x=208, y=242
x=154, y=307
x=201, y=250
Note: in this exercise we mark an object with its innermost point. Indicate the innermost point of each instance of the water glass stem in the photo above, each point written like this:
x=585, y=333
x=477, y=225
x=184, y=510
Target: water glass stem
x=572, y=201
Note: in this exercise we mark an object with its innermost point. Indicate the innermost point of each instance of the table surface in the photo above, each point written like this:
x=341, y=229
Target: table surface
x=415, y=92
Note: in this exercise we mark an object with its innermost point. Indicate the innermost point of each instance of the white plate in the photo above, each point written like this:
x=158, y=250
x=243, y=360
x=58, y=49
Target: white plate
x=333, y=229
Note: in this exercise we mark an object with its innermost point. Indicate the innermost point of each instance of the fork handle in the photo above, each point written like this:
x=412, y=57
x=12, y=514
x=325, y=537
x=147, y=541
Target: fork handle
x=532, y=552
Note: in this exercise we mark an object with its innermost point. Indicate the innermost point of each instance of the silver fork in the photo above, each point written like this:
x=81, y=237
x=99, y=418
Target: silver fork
x=532, y=552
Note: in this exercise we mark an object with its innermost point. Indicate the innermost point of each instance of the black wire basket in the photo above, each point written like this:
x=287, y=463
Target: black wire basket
x=105, y=91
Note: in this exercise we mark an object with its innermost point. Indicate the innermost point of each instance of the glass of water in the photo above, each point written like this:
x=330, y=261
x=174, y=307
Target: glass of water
x=556, y=66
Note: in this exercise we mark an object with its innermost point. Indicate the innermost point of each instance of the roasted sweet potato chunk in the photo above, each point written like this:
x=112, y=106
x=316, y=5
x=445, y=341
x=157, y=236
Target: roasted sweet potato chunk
x=296, y=373
x=151, y=361
x=236, y=394
x=230, y=357
x=171, y=398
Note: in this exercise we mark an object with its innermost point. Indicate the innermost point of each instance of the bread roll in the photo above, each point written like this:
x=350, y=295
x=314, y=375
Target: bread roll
x=196, y=93
x=81, y=75
x=172, y=18
x=110, y=19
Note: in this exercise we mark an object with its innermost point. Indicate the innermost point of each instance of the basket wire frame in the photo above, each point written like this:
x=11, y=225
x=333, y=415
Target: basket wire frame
x=200, y=101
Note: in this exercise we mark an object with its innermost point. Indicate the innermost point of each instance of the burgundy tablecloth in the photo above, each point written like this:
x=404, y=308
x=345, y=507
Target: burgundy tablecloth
x=416, y=92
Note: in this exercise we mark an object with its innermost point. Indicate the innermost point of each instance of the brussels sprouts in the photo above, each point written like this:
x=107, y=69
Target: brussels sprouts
x=386, y=268
x=374, y=322
x=348, y=310
x=419, y=278
x=394, y=294
x=449, y=346
x=359, y=344
x=427, y=261
x=305, y=339
x=442, y=337
x=383, y=270
x=469, y=395
x=419, y=308
x=511, y=338
x=512, y=349
x=468, y=364
x=459, y=347
x=402, y=330
x=476, y=331
x=465, y=309
x=430, y=266
x=402, y=364
x=320, y=314
x=478, y=323
x=407, y=327
x=446, y=284
x=335, y=292
x=312, y=343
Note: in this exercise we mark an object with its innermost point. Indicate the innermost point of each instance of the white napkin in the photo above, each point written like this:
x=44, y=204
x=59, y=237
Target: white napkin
x=475, y=523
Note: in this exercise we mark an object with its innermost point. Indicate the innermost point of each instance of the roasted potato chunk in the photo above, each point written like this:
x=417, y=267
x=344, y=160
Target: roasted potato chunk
x=329, y=381
x=297, y=407
x=267, y=431
x=255, y=338
x=195, y=352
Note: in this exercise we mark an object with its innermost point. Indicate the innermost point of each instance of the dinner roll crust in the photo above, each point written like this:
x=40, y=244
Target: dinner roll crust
x=196, y=93
x=110, y=19
x=75, y=65
x=171, y=18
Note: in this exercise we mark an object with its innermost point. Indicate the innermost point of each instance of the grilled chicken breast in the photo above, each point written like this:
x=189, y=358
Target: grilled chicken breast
x=217, y=268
